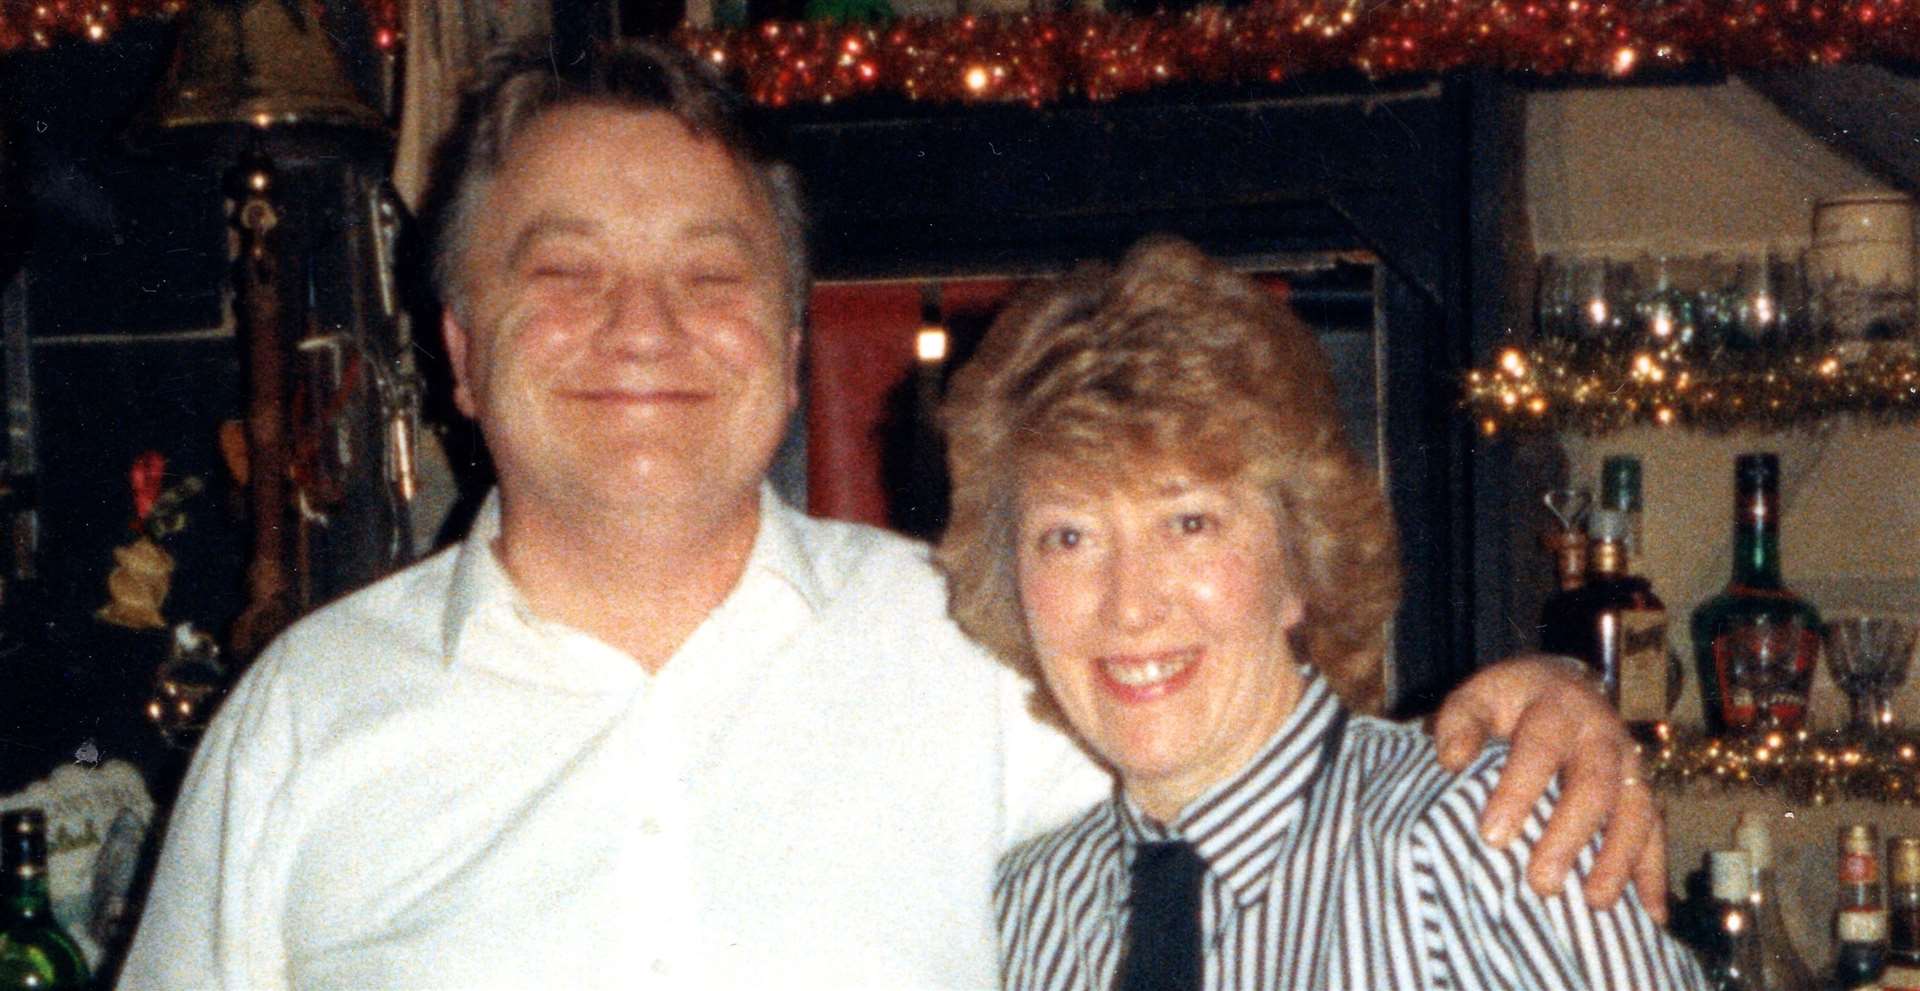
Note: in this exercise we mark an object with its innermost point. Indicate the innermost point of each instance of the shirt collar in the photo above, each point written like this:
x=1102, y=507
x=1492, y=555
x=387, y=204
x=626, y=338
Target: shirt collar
x=1237, y=825
x=480, y=581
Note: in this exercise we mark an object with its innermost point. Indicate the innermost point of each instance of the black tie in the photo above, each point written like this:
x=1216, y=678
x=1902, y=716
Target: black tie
x=1163, y=950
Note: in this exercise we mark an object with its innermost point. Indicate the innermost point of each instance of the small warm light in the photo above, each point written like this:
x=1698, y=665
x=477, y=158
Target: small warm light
x=1513, y=363
x=976, y=79
x=719, y=56
x=1663, y=325
x=95, y=32
x=930, y=344
x=257, y=181
x=1537, y=405
x=1597, y=311
x=154, y=711
x=1623, y=61
x=1830, y=367
x=1734, y=922
x=1643, y=365
x=1763, y=308
x=262, y=119
x=1664, y=415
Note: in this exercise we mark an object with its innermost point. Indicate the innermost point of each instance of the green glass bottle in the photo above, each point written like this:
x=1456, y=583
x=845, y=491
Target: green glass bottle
x=1756, y=591
x=35, y=952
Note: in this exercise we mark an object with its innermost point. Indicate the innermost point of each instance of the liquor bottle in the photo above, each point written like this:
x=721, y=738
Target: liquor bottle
x=1617, y=625
x=1756, y=591
x=1568, y=543
x=1734, y=963
x=1781, y=967
x=1860, y=918
x=35, y=952
x=1620, y=492
x=1903, y=915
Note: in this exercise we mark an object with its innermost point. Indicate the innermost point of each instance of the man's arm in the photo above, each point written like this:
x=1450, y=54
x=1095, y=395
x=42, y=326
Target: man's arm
x=200, y=928
x=1559, y=724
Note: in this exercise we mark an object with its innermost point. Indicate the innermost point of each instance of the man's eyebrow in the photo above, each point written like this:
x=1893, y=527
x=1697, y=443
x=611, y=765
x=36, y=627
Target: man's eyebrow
x=546, y=225
x=726, y=230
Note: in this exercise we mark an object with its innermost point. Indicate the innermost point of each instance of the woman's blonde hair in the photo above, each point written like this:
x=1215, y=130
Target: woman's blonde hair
x=1168, y=358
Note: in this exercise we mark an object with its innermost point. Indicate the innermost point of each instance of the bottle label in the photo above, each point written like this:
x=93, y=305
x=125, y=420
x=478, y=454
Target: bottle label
x=1643, y=665
x=1859, y=868
x=1738, y=705
x=1900, y=977
x=1861, y=925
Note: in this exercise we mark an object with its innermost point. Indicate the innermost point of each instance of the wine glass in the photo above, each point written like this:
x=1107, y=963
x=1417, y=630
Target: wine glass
x=1868, y=654
x=1762, y=658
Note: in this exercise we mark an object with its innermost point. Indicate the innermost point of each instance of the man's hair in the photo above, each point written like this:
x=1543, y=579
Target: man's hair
x=1167, y=360
x=517, y=84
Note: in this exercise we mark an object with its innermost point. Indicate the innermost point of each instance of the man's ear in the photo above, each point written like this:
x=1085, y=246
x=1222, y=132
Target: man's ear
x=795, y=337
x=458, y=343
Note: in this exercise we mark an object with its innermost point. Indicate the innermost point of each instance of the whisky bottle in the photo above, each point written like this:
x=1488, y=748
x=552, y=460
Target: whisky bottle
x=35, y=952
x=1616, y=625
x=1903, y=915
x=1755, y=592
x=1781, y=966
x=1860, y=918
x=1733, y=962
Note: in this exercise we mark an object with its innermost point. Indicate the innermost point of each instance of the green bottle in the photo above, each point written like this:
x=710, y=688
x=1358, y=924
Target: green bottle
x=34, y=951
x=1755, y=592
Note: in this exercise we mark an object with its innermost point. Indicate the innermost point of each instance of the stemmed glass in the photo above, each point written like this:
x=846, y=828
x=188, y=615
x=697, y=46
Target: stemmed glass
x=1762, y=656
x=1869, y=654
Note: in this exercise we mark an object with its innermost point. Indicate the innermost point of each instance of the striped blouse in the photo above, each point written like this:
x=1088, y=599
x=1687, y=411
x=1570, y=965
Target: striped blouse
x=1342, y=858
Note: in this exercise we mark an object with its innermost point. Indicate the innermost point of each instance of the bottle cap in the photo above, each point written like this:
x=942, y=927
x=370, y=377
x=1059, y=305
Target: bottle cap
x=1903, y=853
x=23, y=838
x=1756, y=471
x=1750, y=834
x=1732, y=874
x=1620, y=483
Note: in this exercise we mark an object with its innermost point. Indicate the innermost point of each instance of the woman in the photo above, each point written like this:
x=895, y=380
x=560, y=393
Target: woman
x=1157, y=518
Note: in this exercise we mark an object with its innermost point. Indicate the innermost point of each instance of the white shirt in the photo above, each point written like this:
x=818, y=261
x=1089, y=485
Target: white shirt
x=424, y=785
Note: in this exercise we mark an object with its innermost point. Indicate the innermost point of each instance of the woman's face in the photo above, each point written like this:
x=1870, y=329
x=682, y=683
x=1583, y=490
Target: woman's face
x=1160, y=614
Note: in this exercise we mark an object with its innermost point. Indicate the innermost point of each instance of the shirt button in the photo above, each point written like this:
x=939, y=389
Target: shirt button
x=650, y=826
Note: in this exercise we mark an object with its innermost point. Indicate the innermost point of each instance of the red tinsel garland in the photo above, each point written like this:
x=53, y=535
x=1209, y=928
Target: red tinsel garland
x=39, y=24
x=1040, y=59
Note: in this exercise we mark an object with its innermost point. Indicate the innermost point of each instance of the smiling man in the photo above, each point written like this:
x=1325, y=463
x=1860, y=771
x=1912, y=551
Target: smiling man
x=647, y=725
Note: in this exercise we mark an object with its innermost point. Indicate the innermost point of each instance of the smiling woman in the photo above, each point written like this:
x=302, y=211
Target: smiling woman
x=1157, y=518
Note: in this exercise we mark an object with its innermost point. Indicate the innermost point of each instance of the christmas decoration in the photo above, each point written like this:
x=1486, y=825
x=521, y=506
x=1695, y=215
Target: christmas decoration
x=1041, y=59
x=142, y=569
x=39, y=24
x=1806, y=767
x=1560, y=385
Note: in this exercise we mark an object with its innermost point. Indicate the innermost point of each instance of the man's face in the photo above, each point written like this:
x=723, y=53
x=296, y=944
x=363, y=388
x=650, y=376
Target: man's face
x=625, y=342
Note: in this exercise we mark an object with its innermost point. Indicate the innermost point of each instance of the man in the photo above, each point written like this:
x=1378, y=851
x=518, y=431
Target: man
x=647, y=725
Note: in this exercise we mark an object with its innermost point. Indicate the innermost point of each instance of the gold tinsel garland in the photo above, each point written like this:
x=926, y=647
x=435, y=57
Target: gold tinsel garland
x=1558, y=385
x=1805, y=767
